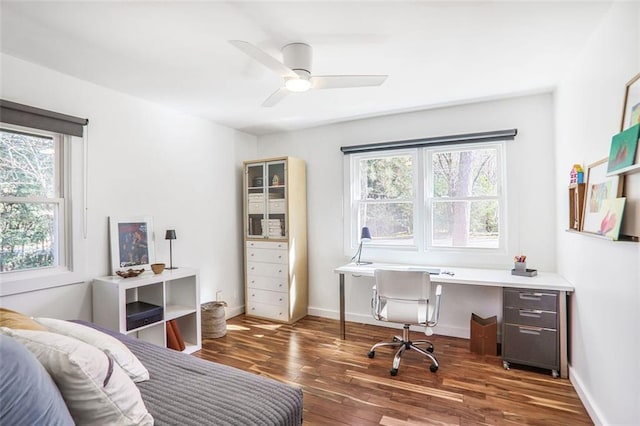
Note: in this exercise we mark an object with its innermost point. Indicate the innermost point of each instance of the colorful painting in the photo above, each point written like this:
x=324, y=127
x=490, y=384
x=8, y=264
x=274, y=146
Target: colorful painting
x=611, y=217
x=631, y=105
x=131, y=243
x=623, y=149
x=599, y=188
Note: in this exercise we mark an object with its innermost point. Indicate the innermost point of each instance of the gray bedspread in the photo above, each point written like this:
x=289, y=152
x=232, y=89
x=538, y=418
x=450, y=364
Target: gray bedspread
x=185, y=390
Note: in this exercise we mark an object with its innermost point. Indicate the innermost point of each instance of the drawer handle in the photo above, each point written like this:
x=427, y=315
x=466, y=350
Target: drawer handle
x=530, y=296
x=530, y=330
x=280, y=299
x=280, y=257
x=531, y=313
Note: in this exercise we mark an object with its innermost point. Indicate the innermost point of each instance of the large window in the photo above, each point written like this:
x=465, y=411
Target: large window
x=447, y=197
x=32, y=207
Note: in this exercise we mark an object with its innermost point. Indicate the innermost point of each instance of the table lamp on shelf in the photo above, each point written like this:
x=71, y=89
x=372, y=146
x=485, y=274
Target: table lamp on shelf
x=365, y=237
x=170, y=235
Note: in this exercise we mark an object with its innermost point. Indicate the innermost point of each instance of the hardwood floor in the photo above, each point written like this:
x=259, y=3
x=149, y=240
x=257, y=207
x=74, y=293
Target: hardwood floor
x=342, y=386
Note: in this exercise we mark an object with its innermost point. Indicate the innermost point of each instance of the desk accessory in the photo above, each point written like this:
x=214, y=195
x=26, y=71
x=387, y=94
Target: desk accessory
x=365, y=236
x=170, y=235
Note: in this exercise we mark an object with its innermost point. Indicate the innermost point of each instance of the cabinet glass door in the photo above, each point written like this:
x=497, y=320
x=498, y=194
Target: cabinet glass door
x=276, y=225
x=255, y=202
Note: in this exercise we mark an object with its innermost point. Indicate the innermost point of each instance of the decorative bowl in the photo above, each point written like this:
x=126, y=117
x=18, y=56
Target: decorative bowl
x=157, y=268
x=129, y=273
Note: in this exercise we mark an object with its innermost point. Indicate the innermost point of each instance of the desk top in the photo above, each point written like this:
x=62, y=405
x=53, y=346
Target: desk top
x=468, y=276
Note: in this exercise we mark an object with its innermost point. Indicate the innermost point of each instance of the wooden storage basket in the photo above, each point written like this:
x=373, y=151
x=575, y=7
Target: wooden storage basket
x=214, y=323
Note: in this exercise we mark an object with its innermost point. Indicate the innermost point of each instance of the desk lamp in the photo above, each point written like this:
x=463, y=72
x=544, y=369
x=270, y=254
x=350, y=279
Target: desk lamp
x=170, y=235
x=365, y=236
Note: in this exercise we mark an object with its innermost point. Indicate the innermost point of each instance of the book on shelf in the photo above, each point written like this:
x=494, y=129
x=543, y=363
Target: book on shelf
x=174, y=336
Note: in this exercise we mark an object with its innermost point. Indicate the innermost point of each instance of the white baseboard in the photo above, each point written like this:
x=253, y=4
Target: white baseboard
x=441, y=329
x=589, y=404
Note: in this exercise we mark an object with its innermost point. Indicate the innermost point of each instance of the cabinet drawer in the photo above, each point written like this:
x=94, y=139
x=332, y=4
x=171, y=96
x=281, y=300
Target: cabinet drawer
x=533, y=346
x=531, y=299
x=277, y=206
x=532, y=317
x=269, y=297
x=267, y=255
x=267, y=283
x=267, y=311
x=275, y=270
x=256, y=208
x=267, y=245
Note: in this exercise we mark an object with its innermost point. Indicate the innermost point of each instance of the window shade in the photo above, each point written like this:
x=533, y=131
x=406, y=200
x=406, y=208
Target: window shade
x=36, y=118
x=497, y=135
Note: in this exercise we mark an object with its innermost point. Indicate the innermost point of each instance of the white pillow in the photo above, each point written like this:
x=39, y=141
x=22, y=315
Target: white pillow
x=95, y=389
x=112, y=346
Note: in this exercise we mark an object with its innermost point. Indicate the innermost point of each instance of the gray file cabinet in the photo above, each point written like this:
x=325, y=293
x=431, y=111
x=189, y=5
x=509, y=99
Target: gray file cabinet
x=531, y=325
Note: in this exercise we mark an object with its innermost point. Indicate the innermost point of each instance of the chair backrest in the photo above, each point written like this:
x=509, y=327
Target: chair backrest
x=402, y=296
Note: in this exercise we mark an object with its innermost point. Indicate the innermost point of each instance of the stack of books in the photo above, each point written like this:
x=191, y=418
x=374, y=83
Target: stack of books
x=174, y=336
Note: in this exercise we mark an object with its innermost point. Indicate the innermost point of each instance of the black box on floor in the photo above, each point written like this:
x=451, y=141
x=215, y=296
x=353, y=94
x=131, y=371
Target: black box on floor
x=141, y=313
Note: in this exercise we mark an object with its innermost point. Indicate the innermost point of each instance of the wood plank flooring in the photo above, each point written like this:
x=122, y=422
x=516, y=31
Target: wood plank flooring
x=342, y=386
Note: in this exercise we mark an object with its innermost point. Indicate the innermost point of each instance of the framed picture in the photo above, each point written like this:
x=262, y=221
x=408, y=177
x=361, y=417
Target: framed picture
x=631, y=107
x=611, y=217
x=599, y=187
x=131, y=243
x=623, y=149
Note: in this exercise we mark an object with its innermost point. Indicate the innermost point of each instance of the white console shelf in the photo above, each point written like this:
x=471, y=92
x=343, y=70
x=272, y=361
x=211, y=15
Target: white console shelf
x=177, y=291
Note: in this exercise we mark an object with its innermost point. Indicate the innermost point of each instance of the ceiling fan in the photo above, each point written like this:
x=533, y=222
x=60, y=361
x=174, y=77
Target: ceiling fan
x=296, y=71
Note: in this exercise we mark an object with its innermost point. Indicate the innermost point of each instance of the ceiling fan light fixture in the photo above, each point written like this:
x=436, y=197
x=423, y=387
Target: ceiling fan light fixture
x=297, y=84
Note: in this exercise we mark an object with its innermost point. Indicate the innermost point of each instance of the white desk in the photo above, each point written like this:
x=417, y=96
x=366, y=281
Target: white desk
x=479, y=277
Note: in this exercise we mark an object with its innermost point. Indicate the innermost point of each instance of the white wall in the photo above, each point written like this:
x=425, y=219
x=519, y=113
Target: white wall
x=144, y=159
x=605, y=308
x=531, y=199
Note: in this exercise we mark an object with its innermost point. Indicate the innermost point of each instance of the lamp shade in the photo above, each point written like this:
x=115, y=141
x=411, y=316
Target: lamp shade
x=170, y=234
x=365, y=235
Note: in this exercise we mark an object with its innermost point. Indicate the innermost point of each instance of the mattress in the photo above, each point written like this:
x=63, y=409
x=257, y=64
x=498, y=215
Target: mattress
x=185, y=390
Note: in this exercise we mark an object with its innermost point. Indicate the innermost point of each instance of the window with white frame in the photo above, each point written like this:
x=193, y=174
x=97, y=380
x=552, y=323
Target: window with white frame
x=384, y=196
x=443, y=197
x=42, y=209
x=32, y=204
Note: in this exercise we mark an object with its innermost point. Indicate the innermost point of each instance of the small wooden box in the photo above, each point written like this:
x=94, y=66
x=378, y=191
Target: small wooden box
x=484, y=335
x=576, y=205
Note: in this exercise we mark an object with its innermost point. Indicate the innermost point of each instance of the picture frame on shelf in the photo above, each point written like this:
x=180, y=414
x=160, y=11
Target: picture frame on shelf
x=611, y=217
x=132, y=243
x=599, y=187
x=622, y=153
x=631, y=105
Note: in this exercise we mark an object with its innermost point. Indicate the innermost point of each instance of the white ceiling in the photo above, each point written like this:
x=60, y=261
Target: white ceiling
x=177, y=53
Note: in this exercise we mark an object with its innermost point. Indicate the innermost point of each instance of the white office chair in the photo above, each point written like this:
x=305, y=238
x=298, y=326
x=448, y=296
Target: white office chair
x=403, y=297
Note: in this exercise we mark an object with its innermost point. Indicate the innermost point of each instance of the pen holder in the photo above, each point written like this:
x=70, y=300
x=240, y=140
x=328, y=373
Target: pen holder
x=520, y=266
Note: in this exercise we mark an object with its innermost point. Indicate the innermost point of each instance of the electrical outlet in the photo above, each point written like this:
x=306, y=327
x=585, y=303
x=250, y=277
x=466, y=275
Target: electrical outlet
x=219, y=295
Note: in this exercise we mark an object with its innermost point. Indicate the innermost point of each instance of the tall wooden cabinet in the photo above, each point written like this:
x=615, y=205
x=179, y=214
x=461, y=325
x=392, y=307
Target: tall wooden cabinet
x=275, y=238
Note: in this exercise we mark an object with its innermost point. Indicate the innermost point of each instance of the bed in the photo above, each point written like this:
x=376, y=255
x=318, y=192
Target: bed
x=185, y=390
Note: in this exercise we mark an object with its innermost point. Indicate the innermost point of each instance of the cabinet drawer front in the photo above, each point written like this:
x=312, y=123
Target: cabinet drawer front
x=277, y=206
x=267, y=311
x=256, y=208
x=267, y=255
x=532, y=317
x=531, y=299
x=533, y=346
x=268, y=297
x=267, y=245
x=267, y=283
x=275, y=270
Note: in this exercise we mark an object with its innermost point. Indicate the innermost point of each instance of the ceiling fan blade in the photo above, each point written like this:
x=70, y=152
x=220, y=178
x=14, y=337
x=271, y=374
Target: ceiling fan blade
x=275, y=97
x=264, y=58
x=345, y=81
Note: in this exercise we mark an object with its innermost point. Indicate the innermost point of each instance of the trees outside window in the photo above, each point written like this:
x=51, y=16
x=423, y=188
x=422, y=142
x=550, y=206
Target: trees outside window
x=31, y=203
x=451, y=195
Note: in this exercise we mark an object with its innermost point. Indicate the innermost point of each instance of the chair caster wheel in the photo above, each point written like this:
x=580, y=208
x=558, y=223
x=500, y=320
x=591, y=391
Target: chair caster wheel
x=430, y=349
x=393, y=372
x=433, y=368
x=395, y=339
x=371, y=354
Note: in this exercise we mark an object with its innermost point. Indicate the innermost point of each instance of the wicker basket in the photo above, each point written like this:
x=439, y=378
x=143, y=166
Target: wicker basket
x=214, y=323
